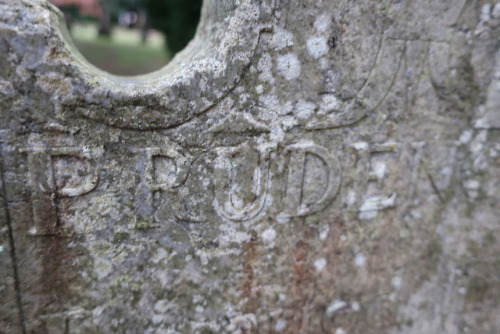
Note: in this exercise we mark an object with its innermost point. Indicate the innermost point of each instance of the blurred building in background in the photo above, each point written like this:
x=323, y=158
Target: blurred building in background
x=84, y=7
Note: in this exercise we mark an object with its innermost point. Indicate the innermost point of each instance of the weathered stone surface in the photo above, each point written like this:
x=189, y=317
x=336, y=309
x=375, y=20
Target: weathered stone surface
x=312, y=167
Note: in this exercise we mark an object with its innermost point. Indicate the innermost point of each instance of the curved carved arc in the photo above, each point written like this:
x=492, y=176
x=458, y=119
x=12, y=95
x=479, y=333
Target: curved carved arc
x=373, y=93
x=84, y=188
x=294, y=205
x=224, y=202
x=181, y=165
x=196, y=79
x=90, y=182
x=82, y=153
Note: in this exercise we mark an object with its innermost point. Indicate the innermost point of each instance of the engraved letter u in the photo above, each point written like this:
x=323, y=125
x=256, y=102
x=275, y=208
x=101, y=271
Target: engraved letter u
x=241, y=179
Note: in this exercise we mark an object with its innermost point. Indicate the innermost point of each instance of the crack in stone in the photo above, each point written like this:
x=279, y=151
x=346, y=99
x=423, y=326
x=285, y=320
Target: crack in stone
x=17, y=285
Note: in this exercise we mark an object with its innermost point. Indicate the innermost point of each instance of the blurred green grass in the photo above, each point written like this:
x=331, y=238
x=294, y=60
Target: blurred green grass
x=123, y=53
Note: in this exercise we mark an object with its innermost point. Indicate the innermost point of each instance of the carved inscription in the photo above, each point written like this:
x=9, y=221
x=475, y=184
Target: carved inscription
x=371, y=174
x=312, y=180
x=240, y=201
x=325, y=188
x=47, y=187
x=300, y=180
x=150, y=166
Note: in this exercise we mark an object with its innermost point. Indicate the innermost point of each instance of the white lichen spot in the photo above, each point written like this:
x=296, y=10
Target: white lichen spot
x=329, y=102
x=269, y=235
x=286, y=109
x=33, y=231
x=360, y=260
x=1, y=249
x=161, y=306
x=265, y=66
x=372, y=205
x=478, y=143
x=466, y=137
x=397, y=282
x=203, y=256
x=97, y=311
x=243, y=323
x=229, y=236
x=365, y=215
x=197, y=299
x=360, y=146
x=335, y=306
x=288, y=122
x=289, y=66
x=472, y=185
x=161, y=254
x=6, y=88
x=277, y=135
x=269, y=101
x=259, y=89
x=280, y=325
x=324, y=233
x=472, y=188
x=281, y=39
x=237, y=202
x=340, y=331
x=157, y=319
x=494, y=152
x=355, y=306
x=325, y=65
x=102, y=268
x=317, y=47
x=244, y=98
x=483, y=123
x=379, y=170
x=320, y=264
x=485, y=12
x=480, y=163
x=351, y=198
x=304, y=109
x=322, y=23
x=496, y=10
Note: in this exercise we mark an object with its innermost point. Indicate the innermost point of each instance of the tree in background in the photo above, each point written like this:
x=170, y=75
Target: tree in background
x=177, y=19
x=105, y=18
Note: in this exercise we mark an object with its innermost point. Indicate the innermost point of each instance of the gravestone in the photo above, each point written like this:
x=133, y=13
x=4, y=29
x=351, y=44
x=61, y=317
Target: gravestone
x=301, y=167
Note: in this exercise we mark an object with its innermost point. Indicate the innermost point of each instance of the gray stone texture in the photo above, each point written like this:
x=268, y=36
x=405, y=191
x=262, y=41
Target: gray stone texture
x=301, y=167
